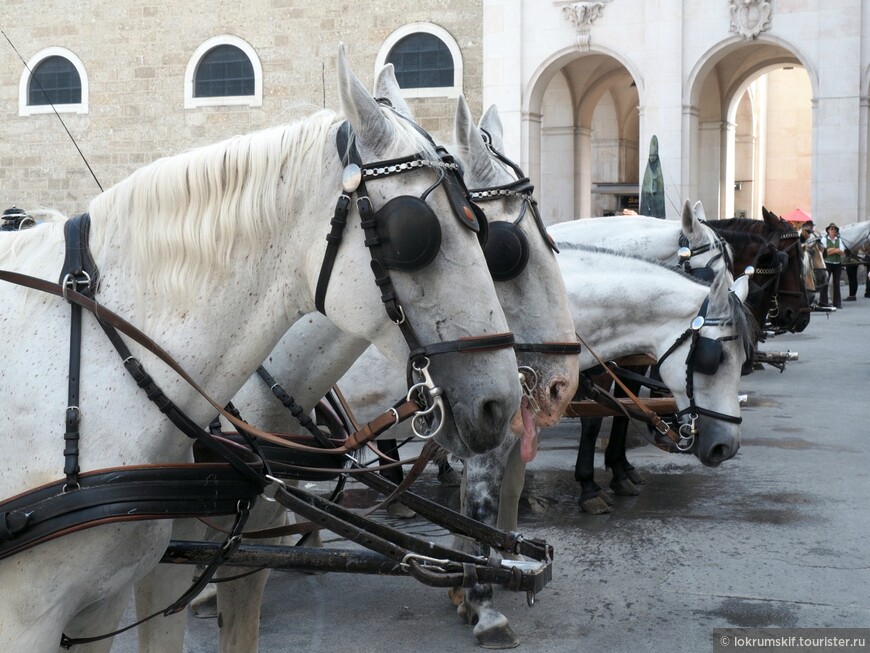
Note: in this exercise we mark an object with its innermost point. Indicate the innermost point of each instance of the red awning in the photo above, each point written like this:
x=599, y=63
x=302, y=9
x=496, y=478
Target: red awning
x=797, y=216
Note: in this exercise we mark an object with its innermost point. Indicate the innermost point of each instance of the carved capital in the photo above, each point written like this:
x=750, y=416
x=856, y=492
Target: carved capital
x=749, y=18
x=583, y=14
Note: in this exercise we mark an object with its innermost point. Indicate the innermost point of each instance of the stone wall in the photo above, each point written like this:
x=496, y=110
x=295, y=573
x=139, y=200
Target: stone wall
x=136, y=54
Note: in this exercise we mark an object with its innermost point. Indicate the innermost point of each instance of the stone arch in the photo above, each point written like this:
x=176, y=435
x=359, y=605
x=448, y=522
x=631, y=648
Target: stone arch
x=587, y=78
x=711, y=95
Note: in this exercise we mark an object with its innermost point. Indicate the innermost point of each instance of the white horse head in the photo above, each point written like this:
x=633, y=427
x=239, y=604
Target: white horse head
x=625, y=305
x=214, y=253
x=660, y=240
x=533, y=299
x=529, y=284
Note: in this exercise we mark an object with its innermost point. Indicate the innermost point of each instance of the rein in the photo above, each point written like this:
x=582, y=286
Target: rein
x=652, y=418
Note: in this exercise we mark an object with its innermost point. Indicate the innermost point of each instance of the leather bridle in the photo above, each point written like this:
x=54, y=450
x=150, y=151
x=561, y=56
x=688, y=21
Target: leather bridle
x=688, y=431
x=705, y=273
x=523, y=189
x=775, y=273
x=354, y=179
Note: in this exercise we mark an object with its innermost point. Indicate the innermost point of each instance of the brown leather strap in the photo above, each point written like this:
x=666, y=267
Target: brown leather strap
x=657, y=422
x=369, y=432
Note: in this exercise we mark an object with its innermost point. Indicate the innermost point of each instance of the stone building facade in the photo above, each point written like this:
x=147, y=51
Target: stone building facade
x=567, y=74
x=753, y=102
x=135, y=57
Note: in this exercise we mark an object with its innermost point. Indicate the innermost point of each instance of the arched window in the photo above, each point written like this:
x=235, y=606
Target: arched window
x=427, y=60
x=422, y=61
x=53, y=80
x=224, y=70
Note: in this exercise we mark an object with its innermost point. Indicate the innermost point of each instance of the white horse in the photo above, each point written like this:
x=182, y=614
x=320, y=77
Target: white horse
x=621, y=305
x=855, y=235
x=653, y=238
x=625, y=305
x=214, y=254
x=314, y=354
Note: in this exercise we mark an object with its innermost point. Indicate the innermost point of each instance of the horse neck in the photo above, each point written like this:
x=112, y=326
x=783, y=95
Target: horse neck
x=238, y=277
x=628, y=306
x=653, y=238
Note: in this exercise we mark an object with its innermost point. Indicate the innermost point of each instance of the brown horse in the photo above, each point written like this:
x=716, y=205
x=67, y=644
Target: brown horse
x=789, y=308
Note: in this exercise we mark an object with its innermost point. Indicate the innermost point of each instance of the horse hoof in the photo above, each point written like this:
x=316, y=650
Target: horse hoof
x=449, y=477
x=635, y=477
x=400, y=510
x=624, y=488
x=594, y=506
x=499, y=635
x=456, y=596
x=605, y=497
x=204, y=606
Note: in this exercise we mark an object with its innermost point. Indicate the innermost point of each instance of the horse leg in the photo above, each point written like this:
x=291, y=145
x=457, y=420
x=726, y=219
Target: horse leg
x=479, y=494
x=239, y=601
x=625, y=478
x=593, y=500
x=98, y=620
x=622, y=482
x=159, y=589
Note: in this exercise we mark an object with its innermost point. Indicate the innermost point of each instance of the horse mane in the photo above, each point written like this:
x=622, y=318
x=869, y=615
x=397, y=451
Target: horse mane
x=193, y=216
x=632, y=257
x=746, y=327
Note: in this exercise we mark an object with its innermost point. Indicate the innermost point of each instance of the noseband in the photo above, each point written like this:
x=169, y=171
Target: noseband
x=383, y=228
x=705, y=355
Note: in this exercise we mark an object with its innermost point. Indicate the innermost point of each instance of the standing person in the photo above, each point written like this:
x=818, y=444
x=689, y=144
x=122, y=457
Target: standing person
x=834, y=255
x=807, y=230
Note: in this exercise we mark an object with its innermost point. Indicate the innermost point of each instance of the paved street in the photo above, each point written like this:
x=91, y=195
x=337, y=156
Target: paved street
x=776, y=537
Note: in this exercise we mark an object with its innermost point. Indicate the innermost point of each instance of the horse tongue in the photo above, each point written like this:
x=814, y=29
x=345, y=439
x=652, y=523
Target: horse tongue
x=529, y=441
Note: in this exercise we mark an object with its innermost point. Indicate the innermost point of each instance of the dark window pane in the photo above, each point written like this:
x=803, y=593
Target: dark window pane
x=224, y=71
x=422, y=61
x=54, y=81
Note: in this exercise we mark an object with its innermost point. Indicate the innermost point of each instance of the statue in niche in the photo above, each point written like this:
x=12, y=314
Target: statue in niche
x=652, y=191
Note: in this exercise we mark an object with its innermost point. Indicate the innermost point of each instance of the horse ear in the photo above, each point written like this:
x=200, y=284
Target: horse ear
x=770, y=218
x=687, y=216
x=698, y=210
x=491, y=122
x=463, y=127
x=740, y=287
x=469, y=141
x=387, y=86
x=359, y=107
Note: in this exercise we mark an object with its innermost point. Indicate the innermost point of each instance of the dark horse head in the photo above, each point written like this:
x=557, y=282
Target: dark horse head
x=779, y=294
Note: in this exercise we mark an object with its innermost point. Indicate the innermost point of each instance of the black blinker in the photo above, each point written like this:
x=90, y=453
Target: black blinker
x=409, y=233
x=506, y=251
x=708, y=355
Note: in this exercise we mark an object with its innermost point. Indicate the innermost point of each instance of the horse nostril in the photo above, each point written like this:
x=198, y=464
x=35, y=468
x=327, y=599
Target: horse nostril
x=492, y=418
x=720, y=452
x=558, y=390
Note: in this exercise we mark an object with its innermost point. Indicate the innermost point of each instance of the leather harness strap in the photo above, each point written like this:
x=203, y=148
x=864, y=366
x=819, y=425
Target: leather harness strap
x=108, y=317
x=657, y=422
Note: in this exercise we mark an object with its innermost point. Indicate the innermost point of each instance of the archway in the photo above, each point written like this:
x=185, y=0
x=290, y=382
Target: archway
x=750, y=130
x=584, y=108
